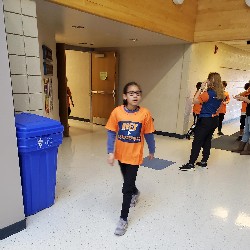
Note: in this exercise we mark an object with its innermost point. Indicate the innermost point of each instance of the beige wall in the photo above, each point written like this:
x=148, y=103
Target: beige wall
x=78, y=74
x=233, y=65
x=46, y=36
x=11, y=208
x=160, y=16
x=159, y=71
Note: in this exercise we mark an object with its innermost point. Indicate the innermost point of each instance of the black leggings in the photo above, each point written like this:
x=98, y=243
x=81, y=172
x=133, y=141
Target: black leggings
x=221, y=118
x=129, y=173
x=242, y=121
x=202, y=138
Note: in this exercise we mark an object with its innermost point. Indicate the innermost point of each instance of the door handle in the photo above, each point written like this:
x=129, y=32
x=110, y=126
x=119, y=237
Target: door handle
x=102, y=92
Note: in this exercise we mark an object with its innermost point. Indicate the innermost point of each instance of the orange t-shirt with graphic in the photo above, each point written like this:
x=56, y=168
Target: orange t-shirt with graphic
x=223, y=107
x=130, y=129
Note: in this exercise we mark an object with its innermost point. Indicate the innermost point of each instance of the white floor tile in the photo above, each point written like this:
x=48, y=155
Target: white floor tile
x=204, y=209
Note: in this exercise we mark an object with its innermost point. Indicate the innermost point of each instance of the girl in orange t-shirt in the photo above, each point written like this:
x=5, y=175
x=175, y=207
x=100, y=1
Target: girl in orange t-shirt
x=127, y=126
x=196, y=112
x=223, y=108
x=243, y=112
x=197, y=106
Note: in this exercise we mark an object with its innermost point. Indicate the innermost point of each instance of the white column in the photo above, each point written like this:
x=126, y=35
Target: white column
x=23, y=48
x=11, y=208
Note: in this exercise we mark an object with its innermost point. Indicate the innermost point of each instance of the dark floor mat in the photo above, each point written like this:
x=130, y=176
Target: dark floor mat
x=156, y=163
x=226, y=142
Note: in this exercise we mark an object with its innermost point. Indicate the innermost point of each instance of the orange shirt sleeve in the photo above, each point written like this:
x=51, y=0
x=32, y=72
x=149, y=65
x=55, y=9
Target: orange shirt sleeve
x=203, y=97
x=112, y=123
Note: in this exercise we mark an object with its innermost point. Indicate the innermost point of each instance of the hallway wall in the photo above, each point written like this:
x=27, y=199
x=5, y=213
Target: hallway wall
x=46, y=36
x=158, y=69
x=233, y=65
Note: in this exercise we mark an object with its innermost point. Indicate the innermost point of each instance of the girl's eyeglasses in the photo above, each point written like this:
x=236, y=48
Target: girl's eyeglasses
x=131, y=93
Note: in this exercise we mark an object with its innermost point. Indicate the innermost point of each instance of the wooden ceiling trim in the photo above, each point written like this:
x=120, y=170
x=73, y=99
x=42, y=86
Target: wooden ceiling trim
x=222, y=20
x=159, y=16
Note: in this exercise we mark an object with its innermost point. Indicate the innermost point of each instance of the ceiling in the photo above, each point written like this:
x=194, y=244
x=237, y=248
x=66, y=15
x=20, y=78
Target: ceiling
x=97, y=31
x=102, y=32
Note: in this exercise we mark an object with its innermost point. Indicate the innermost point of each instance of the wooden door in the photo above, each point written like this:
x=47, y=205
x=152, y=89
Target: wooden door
x=103, y=85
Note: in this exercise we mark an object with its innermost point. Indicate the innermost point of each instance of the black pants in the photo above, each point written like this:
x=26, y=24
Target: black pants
x=221, y=118
x=242, y=121
x=69, y=111
x=202, y=138
x=129, y=173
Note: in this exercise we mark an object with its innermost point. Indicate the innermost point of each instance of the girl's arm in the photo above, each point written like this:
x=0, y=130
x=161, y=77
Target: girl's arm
x=111, y=141
x=244, y=93
x=196, y=100
x=111, y=146
x=242, y=98
x=151, y=144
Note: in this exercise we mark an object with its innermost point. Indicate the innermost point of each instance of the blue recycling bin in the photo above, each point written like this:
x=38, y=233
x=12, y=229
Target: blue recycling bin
x=38, y=139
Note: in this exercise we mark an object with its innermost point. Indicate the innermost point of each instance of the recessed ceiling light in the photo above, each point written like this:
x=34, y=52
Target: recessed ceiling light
x=91, y=44
x=77, y=26
x=83, y=43
x=178, y=1
x=133, y=39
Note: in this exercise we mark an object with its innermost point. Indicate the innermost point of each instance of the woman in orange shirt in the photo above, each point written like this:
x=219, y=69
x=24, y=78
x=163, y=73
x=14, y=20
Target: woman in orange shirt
x=210, y=96
x=197, y=106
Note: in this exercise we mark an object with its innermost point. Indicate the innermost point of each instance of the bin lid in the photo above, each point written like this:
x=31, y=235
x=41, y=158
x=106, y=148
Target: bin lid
x=31, y=125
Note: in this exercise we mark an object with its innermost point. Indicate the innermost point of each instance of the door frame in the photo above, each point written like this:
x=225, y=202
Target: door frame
x=62, y=85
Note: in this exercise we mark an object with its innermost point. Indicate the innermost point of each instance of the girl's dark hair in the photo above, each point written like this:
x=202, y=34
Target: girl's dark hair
x=125, y=90
x=247, y=85
x=198, y=85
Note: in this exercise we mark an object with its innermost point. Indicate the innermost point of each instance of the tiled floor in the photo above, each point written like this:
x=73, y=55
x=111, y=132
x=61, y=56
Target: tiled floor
x=205, y=209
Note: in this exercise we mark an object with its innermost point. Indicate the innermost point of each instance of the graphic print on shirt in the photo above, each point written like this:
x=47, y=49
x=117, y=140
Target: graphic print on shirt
x=129, y=131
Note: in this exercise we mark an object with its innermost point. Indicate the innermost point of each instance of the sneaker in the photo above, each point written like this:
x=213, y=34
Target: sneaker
x=135, y=198
x=187, y=167
x=121, y=227
x=201, y=164
x=220, y=133
x=239, y=138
